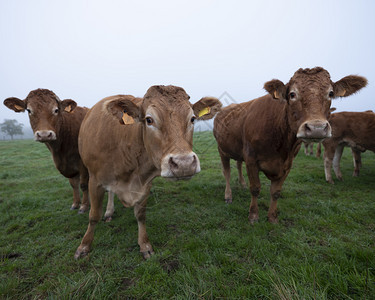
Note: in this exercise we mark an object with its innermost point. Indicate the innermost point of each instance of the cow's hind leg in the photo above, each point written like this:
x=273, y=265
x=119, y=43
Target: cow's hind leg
x=84, y=180
x=74, y=183
x=96, y=196
x=357, y=161
x=110, y=207
x=140, y=214
x=311, y=147
x=336, y=161
x=253, y=175
x=226, y=171
x=241, y=180
x=318, y=150
x=329, y=152
x=306, y=148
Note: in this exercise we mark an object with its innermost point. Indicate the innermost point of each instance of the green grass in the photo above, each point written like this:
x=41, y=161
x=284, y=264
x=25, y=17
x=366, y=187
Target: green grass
x=322, y=248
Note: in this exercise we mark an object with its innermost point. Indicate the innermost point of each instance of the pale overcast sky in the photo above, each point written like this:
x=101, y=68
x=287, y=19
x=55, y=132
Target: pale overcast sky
x=87, y=50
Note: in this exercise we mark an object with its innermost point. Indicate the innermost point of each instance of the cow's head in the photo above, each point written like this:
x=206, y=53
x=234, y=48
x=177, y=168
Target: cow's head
x=167, y=119
x=308, y=95
x=44, y=109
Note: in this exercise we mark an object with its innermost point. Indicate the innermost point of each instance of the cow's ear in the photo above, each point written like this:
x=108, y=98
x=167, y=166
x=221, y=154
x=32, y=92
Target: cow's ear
x=207, y=108
x=124, y=109
x=276, y=88
x=15, y=104
x=68, y=105
x=348, y=85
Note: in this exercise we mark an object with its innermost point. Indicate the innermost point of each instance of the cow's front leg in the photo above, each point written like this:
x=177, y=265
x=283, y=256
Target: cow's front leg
x=96, y=196
x=74, y=183
x=275, y=189
x=143, y=242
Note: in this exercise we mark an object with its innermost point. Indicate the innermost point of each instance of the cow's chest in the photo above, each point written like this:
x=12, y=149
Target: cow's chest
x=130, y=192
x=67, y=164
x=276, y=166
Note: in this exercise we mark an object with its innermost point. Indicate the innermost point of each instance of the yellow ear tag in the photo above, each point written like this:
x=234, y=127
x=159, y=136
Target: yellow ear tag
x=204, y=111
x=18, y=107
x=68, y=108
x=127, y=119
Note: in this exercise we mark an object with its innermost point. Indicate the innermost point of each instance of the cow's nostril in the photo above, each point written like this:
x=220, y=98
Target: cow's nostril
x=307, y=128
x=172, y=163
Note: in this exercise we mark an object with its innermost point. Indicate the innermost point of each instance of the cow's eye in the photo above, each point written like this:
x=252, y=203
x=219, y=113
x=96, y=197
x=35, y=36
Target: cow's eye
x=56, y=110
x=292, y=95
x=149, y=121
x=28, y=110
x=193, y=119
x=331, y=94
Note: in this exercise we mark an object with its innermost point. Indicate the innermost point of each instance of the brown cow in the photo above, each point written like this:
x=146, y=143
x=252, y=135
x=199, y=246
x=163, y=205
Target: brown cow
x=125, y=143
x=56, y=123
x=267, y=132
x=352, y=129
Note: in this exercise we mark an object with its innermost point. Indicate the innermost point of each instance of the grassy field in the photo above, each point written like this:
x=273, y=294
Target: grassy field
x=322, y=248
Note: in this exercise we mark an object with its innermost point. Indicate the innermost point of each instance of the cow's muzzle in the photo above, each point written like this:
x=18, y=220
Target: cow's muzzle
x=314, y=131
x=45, y=136
x=180, y=166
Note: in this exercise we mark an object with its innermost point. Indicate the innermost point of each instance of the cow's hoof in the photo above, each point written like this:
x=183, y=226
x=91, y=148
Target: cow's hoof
x=253, y=219
x=83, y=209
x=107, y=219
x=147, y=254
x=273, y=220
x=81, y=252
x=228, y=200
x=74, y=206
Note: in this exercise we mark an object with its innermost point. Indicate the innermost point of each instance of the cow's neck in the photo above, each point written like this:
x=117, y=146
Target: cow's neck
x=290, y=135
x=140, y=165
x=55, y=147
x=147, y=169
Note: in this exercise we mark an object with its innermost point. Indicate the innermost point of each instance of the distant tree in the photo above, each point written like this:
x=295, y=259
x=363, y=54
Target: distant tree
x=11, y=127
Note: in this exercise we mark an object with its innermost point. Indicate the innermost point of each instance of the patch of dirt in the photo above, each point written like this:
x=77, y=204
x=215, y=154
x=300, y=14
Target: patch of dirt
x=127, y=283
x=287, y=222
x=3, y=257
x=169, y=266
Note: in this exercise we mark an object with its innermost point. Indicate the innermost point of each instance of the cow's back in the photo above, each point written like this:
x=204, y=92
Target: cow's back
x=266, y=129
x=357, y=129
x=258, y=126
x=228, y=127
x=107, y=148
